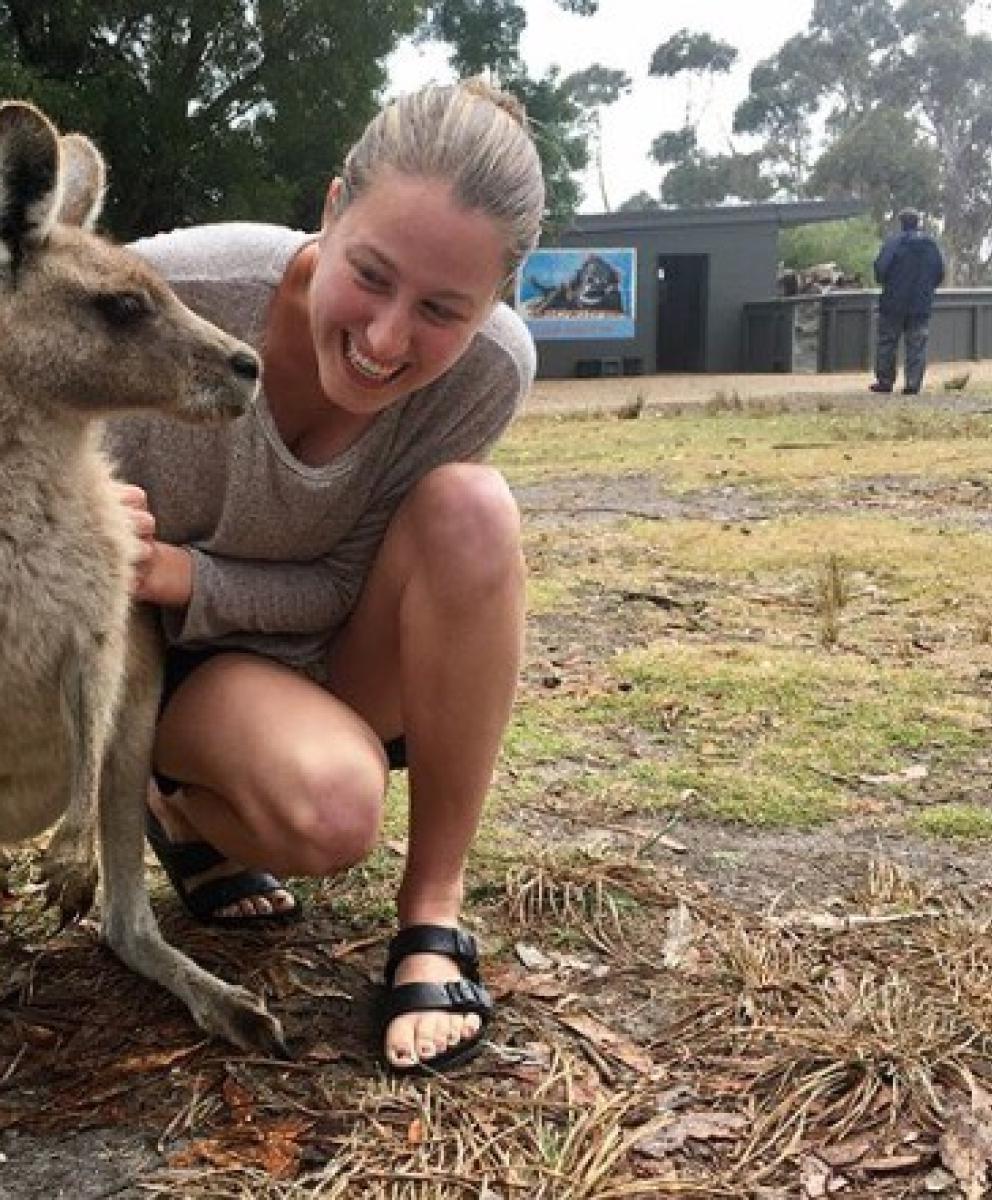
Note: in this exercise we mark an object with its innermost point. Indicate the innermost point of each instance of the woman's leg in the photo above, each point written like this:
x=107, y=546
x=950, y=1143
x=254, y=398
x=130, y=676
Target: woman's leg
x=276, y=773
x=433, y=650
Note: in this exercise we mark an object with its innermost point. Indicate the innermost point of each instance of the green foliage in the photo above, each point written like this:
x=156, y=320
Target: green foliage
x=592, y=89
x=639, y=202
x=562, y=142
x=597, y=85
x=674, y=145
x=851, y=244
x=704, y=179
x=206, y=109
x=483, y=34
x=882, y=159
x=784, y=94
x=965, y=822
x=693, y=52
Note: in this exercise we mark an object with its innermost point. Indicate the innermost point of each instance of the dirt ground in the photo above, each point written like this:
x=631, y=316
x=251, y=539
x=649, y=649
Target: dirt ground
x=104, y=1084
x=673, y=391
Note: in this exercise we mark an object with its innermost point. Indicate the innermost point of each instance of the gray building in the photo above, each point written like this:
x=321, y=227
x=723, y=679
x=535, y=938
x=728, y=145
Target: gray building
x=696, y=269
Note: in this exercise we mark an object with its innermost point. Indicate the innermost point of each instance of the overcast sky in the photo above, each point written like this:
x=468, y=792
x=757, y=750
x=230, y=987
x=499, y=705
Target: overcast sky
x=624, y=35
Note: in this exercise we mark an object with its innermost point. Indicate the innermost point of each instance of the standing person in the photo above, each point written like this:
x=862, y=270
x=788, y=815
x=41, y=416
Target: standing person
x=909, y=268
x=340, y=576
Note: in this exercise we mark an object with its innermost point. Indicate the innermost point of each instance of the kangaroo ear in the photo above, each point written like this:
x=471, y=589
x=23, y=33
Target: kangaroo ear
x=29, y=179
x=84, y=178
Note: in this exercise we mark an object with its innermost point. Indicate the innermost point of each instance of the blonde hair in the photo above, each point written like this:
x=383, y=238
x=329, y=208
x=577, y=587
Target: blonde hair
x=470, y=135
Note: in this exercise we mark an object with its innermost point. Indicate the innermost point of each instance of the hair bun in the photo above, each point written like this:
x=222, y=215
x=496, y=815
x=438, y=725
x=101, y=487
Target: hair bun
x=479, y=85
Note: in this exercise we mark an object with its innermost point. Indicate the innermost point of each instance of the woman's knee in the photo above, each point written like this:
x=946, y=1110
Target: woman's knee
x=332, y=809
x=466, y=527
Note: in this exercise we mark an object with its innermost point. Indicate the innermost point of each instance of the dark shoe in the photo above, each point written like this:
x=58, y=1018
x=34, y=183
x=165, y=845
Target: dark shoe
x=909, y=391
x=184, y=860
x=465, y=995
x=880, y=387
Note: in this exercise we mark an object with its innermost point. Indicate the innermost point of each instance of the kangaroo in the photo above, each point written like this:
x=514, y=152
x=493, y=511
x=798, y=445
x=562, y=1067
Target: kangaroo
x=86, y=330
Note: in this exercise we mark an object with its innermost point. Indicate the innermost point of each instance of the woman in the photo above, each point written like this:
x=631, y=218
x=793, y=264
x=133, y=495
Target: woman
x=340, y=577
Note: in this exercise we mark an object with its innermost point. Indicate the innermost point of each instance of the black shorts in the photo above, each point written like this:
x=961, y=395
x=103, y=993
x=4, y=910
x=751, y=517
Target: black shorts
x=180, y=664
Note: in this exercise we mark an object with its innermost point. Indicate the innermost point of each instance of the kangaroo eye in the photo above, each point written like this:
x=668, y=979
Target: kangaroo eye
x=123, y=308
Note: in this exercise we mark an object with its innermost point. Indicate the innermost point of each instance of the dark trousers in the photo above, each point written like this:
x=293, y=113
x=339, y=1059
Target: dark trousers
x=915, y=331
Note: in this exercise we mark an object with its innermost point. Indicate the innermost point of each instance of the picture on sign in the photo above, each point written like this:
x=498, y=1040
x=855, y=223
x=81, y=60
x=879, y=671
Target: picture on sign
x=578, y=292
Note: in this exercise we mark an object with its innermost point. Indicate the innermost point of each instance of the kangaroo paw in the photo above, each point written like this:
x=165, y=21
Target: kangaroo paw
x=243, y=1020
x=70, y=887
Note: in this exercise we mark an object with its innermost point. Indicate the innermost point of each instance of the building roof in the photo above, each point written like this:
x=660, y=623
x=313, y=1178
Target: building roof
x=800, y=212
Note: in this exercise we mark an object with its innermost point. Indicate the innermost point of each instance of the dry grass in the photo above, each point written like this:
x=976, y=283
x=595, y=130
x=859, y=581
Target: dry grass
x=833, y=595
x=618, y=1068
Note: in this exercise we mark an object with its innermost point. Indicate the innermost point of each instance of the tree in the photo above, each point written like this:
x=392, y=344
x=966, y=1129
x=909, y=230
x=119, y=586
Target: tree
x=639, y=202
x=884, y=160
x=593, y=89
x=694, y=176
x=483, y=35
x=561, y=139
x=205, y=108
x=704, y=179
x=784, y=96
x=904, y=91
x=696, y=53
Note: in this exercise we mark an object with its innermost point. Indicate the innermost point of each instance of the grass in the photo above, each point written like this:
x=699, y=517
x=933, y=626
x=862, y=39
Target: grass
x=967, y=822
x=764, y=450
x=752, y=732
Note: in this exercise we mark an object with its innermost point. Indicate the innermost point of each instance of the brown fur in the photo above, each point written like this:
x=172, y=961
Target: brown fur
x=87, y=329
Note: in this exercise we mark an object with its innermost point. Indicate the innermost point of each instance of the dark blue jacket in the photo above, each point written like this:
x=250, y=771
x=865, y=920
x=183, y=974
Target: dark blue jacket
x=909, y=266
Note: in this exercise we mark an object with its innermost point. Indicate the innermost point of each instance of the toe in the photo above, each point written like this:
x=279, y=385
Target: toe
x=455, y=1029
x=400, y=1042
x=432, y=1036
x=282, y=901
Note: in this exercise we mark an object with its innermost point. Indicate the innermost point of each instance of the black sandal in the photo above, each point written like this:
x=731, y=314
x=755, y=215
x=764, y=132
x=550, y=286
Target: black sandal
x=465, y=995
x=183, y=860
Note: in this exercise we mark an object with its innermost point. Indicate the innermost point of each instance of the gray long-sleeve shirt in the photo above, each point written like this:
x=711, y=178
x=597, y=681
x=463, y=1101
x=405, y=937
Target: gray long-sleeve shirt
x=280, y=549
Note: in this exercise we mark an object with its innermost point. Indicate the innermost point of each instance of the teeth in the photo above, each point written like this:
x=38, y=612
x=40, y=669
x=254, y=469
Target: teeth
x=367, y=366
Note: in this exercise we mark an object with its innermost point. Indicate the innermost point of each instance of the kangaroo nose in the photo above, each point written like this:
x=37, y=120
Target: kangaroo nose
x=245, y=363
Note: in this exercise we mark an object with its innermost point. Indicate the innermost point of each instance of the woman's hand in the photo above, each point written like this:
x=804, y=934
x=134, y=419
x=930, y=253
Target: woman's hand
x=163, y=574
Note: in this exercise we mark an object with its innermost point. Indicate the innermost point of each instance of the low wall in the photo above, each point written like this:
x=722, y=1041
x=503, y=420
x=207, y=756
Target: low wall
x=835, y=331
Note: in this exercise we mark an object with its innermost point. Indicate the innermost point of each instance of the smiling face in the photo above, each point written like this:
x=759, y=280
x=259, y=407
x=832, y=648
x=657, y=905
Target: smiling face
x=404, y=278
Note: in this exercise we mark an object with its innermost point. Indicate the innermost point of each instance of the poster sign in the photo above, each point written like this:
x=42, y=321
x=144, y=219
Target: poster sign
x=579, y=292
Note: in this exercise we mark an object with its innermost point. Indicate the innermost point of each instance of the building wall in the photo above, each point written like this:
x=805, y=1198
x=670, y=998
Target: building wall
x=742, y=267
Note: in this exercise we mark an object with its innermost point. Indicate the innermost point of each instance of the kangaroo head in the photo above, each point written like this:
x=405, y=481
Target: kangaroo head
x=87, y=327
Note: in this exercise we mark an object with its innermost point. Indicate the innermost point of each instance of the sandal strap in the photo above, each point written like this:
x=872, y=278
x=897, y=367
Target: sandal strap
x=459, y=996
x=183, y=858
x=207, y=898
x=452, y=942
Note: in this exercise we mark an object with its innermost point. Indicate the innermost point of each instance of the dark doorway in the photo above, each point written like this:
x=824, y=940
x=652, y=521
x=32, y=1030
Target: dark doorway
x=683, y=280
